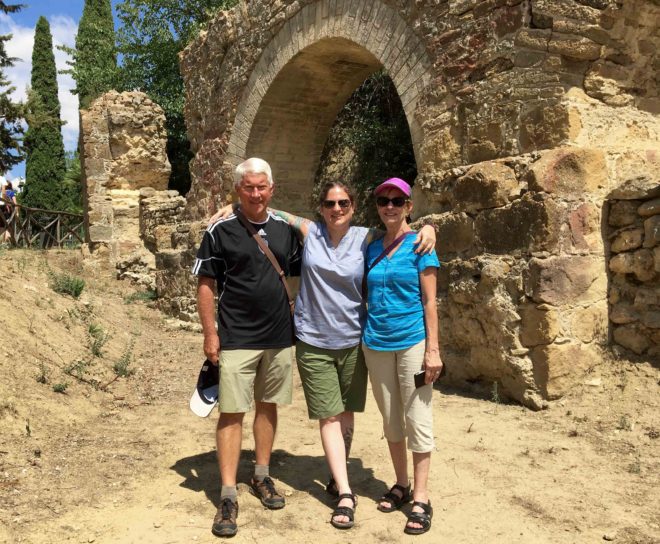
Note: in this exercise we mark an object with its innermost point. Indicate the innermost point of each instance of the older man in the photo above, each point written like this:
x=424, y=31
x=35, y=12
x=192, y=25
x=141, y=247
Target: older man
x=254, y=338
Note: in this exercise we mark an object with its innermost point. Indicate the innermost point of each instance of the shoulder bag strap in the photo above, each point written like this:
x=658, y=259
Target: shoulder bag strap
x=388, y=250
x=268, y=253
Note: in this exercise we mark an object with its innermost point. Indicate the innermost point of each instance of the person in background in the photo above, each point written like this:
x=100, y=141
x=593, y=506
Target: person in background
x=400, y=340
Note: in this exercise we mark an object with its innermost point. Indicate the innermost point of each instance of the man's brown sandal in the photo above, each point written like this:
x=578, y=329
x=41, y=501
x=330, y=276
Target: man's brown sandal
x=344, y=511
x=423, y=518
x=265, y=491
x=395, y=501
x=224, y=523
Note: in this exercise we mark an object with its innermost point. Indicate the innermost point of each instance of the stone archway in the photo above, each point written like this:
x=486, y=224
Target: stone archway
x=523, y=114
x=305, y=75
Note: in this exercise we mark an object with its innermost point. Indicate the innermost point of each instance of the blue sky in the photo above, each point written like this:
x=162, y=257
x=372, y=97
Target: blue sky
x=63, y=16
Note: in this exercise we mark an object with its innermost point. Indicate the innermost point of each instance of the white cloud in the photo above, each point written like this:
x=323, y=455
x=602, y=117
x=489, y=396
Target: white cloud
x=63, y=29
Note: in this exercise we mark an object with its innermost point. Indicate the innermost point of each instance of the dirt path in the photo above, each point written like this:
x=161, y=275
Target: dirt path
x=131, y=464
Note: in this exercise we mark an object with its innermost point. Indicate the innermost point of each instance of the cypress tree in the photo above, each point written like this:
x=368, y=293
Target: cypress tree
x=45, y=166
x=11, y=113
x=95, y=55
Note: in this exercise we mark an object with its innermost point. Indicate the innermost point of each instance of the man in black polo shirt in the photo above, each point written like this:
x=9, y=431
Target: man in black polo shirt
x=253, y=346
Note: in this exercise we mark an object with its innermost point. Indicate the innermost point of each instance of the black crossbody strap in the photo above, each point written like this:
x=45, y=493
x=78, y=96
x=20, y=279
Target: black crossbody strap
x=268, y=253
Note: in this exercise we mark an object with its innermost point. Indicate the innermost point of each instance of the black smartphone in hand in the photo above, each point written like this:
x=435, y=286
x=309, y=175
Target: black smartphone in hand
x=419, y=379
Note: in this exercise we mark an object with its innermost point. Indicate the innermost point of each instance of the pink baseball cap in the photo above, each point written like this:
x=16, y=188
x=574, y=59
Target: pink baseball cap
x=394, y=183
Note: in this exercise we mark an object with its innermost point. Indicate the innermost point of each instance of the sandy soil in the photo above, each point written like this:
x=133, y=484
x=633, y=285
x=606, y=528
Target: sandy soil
x=124, y=461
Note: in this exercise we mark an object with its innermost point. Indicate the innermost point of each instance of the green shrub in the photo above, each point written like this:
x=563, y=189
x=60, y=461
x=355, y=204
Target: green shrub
x=60, y=387
x=66, y=284
x=141, y=296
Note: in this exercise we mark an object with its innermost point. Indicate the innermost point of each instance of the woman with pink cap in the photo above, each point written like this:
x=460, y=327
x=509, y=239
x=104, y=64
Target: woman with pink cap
x=400, y=341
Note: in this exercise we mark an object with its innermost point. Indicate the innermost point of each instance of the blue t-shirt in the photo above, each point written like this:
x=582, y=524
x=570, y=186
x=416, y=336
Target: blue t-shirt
x=329, y=308
x=395, y=316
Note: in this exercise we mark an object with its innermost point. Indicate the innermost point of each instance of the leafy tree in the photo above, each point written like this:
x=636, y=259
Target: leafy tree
x=94, y=64
x=369, y=142
x=45, y=165
x=72, y=183
x=152, y=34
x=11, y=113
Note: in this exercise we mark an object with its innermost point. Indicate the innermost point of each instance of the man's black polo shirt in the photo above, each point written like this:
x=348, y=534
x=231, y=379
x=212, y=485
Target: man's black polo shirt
x=253, y=309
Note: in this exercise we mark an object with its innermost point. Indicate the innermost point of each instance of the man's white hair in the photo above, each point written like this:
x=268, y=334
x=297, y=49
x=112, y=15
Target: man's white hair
x=253, y=165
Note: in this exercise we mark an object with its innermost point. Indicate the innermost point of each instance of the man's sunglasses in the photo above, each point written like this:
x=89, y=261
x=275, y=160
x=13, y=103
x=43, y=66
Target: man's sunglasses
x=343, y=204
x=397, y=201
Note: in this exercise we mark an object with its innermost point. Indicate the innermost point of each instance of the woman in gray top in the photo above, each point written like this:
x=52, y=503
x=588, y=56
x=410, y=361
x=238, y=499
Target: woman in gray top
x=329, y=316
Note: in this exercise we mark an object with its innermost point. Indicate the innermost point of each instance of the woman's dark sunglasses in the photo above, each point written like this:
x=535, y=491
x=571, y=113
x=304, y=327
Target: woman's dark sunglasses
x=397, y=201
x=343, y=204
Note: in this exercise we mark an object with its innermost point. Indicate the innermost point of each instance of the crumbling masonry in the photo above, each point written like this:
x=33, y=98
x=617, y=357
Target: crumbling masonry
x=535, y=130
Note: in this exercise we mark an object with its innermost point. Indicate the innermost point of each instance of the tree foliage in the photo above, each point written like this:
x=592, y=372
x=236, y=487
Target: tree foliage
x=45, y=165
x=11, y=113
x=151, y=35
x=368, y=143
x=94, y=59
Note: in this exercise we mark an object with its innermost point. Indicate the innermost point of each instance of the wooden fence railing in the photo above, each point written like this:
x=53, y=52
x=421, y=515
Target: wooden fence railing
x=21, y=226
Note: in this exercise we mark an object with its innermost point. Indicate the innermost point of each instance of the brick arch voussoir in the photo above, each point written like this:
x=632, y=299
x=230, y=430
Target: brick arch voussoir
x=372, y=24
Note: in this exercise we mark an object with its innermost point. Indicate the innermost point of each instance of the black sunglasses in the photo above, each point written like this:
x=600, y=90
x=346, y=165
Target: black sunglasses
x=343, y=204
x=397, y=201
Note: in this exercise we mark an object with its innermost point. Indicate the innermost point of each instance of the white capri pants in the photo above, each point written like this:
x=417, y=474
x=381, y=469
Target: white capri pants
x=407, y=412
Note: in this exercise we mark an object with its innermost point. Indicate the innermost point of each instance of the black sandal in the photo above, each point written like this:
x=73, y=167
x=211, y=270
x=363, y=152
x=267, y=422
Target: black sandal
x=423, y=518
x=344, y=511
x=395, y=501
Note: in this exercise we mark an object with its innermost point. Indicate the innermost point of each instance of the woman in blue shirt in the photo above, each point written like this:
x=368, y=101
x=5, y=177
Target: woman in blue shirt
x=401, y=339
x=329, y=316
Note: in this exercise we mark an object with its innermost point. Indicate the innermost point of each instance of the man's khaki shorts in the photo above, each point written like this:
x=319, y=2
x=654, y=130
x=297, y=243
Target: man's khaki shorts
x=247, y=375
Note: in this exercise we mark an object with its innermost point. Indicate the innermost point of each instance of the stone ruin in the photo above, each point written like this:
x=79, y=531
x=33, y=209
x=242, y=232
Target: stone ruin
x=535, y=131
x=125, y=175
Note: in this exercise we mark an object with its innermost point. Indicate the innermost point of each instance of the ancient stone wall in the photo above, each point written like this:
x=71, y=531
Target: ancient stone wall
x=524, y=115
x=633, y=239
x=123, y=137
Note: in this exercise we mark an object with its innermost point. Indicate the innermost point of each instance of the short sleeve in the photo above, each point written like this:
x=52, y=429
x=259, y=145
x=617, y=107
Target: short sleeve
x=209, y=261
x=427, y=261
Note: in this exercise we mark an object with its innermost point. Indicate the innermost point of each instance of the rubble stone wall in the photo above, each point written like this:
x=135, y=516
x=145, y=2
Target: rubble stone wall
x=525, y=115
x=633, y=227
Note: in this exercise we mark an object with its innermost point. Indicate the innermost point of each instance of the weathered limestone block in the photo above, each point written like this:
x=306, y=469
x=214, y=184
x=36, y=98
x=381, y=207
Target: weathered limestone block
x=530, y=223
x=584, y=223
x=623, y=213
x=651, y=319
x=627, y=240
x=486, y=185
x=540, y=324
x=590, y=323
x=632, y=337
x=559, y=367
x=652, y=231
x=643, y=266
x=652, y=207
x=622, y=263
x=569, y=172
x=544, y=126
x=566, y=279
x=636, y=188
x=623, y=313
x=454, y=232
x=575, y=47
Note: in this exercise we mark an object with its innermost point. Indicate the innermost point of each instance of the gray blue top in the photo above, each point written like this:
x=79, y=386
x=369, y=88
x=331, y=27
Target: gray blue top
x=330, y=312
x=396, y=316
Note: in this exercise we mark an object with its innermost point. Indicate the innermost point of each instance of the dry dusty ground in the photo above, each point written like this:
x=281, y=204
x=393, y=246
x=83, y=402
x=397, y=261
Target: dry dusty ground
x=127, y=462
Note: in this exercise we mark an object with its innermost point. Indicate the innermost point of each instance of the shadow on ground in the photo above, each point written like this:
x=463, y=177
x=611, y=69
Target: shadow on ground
x=304, y=473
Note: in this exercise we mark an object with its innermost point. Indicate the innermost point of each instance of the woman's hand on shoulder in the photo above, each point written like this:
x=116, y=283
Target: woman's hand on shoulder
x=222, y=213
x=425, y=241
